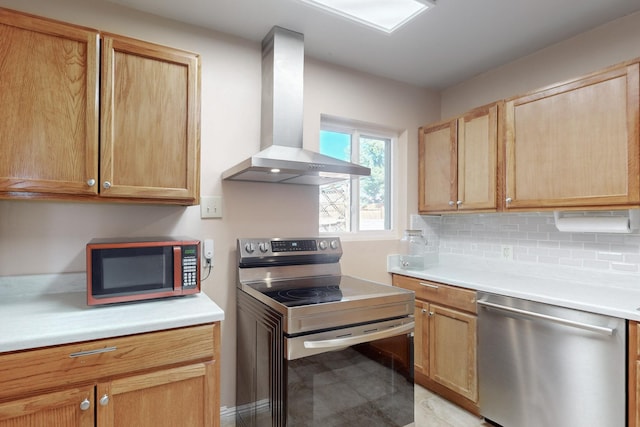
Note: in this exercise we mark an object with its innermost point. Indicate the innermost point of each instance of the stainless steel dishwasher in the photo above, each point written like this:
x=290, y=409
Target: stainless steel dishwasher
x=544, y=365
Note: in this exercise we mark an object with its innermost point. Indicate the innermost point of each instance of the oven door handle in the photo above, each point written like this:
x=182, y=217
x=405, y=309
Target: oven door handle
x=359, y=339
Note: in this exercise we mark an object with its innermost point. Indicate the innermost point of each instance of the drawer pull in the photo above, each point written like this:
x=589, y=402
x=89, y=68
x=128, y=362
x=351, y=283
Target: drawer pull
x=92, y=352
x=85, y=404
x=104, y=400
x=428, y=285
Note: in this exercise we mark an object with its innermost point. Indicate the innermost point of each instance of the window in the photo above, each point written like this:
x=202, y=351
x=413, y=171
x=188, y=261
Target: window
x=357, y=204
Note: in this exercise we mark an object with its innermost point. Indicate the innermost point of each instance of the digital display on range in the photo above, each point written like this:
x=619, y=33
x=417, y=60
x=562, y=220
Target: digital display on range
x=293, y=245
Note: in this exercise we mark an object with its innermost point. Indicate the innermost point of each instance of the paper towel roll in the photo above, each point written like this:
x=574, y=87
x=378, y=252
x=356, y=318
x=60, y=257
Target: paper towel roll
x=593, y=224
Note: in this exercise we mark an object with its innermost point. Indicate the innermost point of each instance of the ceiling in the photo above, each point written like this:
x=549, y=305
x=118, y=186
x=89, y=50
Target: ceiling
x=450, y=43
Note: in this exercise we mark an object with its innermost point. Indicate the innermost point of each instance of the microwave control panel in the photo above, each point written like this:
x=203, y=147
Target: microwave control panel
x=189, y=267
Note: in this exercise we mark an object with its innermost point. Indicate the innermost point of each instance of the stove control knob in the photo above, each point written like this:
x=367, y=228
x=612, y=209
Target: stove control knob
x=323, y=245
x=334, y=244
x=264, y=247
x=250, y=248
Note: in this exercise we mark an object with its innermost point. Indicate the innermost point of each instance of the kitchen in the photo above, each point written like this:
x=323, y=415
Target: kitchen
x=48, y=237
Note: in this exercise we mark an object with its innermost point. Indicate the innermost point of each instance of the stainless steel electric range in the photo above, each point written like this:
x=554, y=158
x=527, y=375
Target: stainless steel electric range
x=315, y=347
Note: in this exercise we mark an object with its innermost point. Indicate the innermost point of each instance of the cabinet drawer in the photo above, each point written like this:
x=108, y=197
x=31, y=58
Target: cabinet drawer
x=451, y=296
x=47, y=368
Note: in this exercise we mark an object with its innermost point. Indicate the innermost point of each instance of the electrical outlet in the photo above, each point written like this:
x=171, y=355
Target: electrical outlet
x=208, y=250
x=211, y=207
x=507, y=252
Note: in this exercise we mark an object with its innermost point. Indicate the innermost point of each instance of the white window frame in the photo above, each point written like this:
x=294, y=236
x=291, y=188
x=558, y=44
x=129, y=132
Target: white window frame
x=357, y=130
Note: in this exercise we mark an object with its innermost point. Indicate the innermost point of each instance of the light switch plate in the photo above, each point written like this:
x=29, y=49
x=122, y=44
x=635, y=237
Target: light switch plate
x=210, y=206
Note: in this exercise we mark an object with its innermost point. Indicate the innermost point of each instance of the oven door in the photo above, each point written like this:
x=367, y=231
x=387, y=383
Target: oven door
x=353, y=376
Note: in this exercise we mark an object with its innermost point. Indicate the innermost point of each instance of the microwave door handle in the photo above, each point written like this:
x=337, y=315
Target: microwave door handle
x=177, y=268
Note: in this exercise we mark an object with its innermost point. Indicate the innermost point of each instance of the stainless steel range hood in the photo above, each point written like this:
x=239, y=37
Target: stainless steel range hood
x=282, y=158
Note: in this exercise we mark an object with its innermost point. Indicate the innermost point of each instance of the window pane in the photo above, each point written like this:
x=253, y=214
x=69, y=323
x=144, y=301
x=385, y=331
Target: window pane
x=373, y=191
x=335, y=198
x=336, y=144
x=359, y=203
x=335, y=203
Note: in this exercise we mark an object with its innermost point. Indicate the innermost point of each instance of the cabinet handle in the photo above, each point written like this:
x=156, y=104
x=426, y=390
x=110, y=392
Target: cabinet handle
x=508, y=200
x=92, y=352
x=459, y=202
x=106, y=185
x=428, y=285
x=85, y=404
x=424, y=310
x=451, y=203
x=104, y=400
x=430, y=313
x=91, y=182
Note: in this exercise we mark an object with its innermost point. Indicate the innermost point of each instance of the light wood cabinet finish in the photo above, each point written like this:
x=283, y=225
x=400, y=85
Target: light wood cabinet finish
x=148, y=146
x=437, y=171
x=445, y=340
x=141, y=380
x=452, y=350
x=174, y=397
x=426, y=290
x=48, y=93
x=421, y=338
x=458, y=163
x=149, y=120
x=59, y=409
x=575, y=144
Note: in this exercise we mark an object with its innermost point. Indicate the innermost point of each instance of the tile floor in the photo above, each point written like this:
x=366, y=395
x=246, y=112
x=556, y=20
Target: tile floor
x=433, y=411
x=430, y=411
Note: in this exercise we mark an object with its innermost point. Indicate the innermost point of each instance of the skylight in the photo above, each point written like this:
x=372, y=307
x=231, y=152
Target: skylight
x=383, y=15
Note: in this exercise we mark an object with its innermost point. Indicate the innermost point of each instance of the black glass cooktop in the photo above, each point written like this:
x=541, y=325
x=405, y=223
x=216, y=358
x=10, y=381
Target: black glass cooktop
x=305, y=296
x=322, y=289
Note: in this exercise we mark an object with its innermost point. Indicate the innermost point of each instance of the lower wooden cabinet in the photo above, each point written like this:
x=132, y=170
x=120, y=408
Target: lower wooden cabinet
x=117, y=382
x=445, y=340
x=172, y=397
x=60, y=409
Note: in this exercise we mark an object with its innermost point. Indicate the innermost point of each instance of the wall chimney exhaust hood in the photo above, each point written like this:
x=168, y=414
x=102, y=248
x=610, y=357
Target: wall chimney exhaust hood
x=282, y=158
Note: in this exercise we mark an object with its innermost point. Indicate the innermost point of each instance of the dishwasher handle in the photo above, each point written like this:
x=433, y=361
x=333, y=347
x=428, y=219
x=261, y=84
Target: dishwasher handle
x=560, y=320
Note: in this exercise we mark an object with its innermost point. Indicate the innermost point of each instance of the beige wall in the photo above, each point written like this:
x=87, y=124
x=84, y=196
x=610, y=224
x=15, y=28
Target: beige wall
x=606, y=45
x=49, y=237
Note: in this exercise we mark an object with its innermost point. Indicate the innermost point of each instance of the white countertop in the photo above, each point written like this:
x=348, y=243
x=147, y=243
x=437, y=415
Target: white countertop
x=45, y=310
x=610, y=293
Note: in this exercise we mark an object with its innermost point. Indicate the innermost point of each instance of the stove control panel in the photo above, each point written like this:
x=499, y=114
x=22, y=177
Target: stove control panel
x=284, y=247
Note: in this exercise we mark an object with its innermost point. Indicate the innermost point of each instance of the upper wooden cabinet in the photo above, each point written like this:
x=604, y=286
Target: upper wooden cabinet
x=458, y=163
x=575, y=144
x=149, y=142
x=48, y=93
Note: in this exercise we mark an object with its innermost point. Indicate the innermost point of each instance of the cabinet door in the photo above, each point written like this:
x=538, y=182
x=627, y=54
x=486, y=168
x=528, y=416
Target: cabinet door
x=452, y=350
x=48, y=91
x=68, y=408
x=181, y=396
x=438, y=163
x=477, y=159
x=575, y=144
x=421, y=338
x=149, y=121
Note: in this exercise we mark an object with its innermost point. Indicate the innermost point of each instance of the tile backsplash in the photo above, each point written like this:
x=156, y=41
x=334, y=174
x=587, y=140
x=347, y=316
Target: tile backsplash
x=530, y=237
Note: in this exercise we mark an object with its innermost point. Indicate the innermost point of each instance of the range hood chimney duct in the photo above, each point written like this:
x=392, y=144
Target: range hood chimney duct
x=282, y=158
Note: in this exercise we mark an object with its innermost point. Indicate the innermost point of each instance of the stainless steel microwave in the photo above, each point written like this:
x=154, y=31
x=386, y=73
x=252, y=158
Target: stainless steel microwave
x=132, y=269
